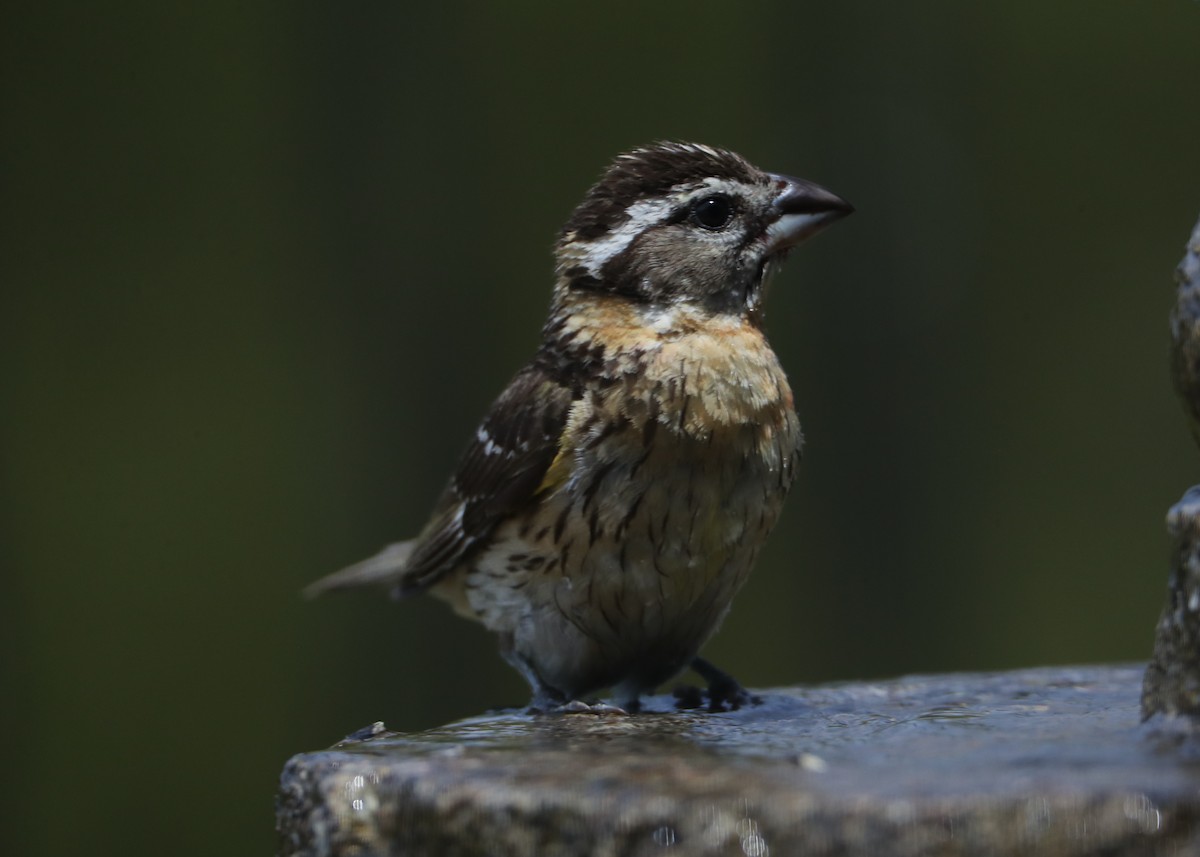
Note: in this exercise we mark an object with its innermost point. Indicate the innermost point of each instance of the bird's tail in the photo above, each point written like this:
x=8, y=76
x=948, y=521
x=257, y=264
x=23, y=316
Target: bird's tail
x=384, y=569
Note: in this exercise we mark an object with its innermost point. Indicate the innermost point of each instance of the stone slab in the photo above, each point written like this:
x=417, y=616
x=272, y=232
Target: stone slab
x=1041, y=761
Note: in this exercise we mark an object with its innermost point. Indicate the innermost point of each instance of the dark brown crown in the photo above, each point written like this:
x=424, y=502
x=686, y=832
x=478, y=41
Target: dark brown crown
x=649, y=172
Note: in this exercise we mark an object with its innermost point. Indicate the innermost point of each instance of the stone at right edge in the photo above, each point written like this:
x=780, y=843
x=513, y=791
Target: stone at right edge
x=1172, y=682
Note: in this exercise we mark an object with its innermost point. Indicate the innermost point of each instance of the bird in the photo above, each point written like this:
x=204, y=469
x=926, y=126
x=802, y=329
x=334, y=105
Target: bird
x=616, y=494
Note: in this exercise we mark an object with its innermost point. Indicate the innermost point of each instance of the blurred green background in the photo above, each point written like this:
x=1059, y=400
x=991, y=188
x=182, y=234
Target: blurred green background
x=264, y=266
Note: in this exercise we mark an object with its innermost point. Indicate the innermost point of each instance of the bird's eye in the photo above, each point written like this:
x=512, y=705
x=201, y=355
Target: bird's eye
x=712, y=212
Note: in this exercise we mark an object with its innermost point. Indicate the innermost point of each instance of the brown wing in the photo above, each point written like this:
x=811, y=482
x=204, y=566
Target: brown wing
x=500, y=473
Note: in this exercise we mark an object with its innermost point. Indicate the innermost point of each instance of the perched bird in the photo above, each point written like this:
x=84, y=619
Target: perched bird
x=614, y=498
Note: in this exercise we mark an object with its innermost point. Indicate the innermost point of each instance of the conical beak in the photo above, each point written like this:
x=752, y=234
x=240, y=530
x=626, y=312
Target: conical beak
x=802, y=209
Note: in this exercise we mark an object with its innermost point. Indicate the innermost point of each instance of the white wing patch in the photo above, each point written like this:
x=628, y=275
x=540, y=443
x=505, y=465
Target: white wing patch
x=490, y=447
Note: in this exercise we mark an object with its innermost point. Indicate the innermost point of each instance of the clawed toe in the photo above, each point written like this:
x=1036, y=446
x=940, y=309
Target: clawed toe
x=724, y=692
x=717, y=697
x=730, y=697
x=576, y=706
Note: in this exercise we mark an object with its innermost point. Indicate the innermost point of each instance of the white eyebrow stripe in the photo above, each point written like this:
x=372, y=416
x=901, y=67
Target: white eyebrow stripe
x=644, y=214
x=640, y=215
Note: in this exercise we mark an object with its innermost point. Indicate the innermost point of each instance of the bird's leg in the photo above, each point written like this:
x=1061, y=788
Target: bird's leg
x=724, y=691
x=546, y=699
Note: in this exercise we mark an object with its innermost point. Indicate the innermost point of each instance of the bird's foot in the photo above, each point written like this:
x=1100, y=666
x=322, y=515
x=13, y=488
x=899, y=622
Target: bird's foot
x=719, y=697
x=546, y=701
x=688, y=697
x=578, y=706
x=730, y=696
x=724, y=692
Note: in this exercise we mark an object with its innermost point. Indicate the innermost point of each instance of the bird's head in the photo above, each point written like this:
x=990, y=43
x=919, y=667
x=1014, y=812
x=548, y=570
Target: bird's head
x=687, y=223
